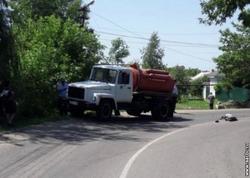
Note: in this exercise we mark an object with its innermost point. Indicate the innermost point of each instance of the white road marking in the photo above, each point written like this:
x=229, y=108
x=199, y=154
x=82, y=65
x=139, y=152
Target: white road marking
x=133, y=158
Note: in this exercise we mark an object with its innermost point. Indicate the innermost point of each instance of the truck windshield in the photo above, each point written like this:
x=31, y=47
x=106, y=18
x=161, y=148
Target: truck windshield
x=103, y=75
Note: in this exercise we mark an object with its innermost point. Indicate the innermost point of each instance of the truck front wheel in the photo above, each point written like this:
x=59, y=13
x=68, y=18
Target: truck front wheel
x=160, y=111
x=105, y=110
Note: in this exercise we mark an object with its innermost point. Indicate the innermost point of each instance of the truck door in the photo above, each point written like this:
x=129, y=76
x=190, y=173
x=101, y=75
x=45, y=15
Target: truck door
x=124, y=87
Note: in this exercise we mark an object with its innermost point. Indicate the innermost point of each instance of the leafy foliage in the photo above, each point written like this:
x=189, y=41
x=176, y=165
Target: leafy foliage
x=118, y=51
x=196, y=86
x=223, y=85
x=235, y=60
x=4, y=34
x=34, y=9
x=44, y=43
x=37, y=8
x=7, y=57
x=152, y=55
x=183, y=76
x=219, y=10
x=50, y=49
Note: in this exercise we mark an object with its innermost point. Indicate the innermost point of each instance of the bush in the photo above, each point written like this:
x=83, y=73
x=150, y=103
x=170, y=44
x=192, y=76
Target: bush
x=50, y=49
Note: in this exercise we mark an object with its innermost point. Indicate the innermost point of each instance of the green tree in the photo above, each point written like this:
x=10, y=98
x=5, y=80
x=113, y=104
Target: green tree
x=196, y=86
x=50, y=44
x=182, y=76
x=183, y=81
x=118, y=51
x=49, y=49
x=235, y=60
x=34, y=9
x=218, y=11
x=152, y=55
x=4, y=35
x=192, y=71
x=7, y=57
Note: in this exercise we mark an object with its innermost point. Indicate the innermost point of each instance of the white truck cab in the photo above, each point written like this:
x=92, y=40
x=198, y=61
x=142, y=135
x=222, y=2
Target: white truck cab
x=107, y=83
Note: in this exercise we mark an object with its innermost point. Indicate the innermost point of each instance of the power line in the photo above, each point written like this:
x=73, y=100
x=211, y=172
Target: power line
x=166, y=41
x=147, y=39
x=140, y=37
x=182, y=53
x=115, y=24
x=143, y=43
x=160, y=33
x=190, y=55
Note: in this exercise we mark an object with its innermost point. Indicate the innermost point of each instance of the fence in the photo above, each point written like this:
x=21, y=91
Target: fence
x=235, y=94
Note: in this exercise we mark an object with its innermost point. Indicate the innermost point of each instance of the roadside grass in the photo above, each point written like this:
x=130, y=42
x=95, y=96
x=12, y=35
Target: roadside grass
x=192, y=104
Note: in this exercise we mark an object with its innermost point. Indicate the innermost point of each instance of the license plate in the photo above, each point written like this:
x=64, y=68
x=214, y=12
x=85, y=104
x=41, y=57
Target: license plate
x=73, y=103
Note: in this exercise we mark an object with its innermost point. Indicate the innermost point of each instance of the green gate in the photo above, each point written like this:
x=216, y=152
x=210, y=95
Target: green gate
x=235, y=94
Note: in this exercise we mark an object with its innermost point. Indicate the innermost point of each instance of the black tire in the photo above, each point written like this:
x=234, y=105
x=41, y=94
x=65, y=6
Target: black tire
x=137, y=104
x=160, y=111
x=104, y=110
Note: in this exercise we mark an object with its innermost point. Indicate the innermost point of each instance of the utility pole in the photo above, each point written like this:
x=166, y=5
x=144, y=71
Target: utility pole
x=84, y=10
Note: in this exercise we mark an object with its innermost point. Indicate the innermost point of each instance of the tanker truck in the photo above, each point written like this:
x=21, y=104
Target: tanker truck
x=114, y=88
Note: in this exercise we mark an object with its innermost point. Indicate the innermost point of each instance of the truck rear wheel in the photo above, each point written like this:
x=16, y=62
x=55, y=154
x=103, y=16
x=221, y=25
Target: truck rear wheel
x=105, y=110
x=160, y=111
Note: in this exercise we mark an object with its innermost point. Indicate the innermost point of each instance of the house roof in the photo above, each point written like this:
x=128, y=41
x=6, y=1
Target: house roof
x=209, y=74
x=200, y=75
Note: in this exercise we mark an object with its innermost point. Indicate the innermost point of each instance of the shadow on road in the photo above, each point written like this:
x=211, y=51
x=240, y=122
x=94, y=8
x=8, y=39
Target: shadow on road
x=89, y=128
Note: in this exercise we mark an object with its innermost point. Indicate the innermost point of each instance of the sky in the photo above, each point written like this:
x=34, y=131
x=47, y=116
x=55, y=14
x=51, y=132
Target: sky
x=185, y=41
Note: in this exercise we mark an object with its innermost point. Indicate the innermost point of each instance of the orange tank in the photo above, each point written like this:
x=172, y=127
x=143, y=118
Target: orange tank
x=151, y=80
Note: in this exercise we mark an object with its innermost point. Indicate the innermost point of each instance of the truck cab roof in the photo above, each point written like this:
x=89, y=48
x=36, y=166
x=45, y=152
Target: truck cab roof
x=113, y=67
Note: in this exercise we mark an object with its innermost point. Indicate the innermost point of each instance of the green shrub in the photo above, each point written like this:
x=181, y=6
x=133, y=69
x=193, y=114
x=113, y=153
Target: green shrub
x=50, y=49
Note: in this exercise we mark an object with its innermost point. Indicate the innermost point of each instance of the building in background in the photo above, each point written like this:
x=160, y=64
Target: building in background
x=213, y=78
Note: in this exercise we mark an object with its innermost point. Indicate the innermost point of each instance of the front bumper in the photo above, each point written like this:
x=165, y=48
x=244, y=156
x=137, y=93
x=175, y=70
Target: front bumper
x=81, y=104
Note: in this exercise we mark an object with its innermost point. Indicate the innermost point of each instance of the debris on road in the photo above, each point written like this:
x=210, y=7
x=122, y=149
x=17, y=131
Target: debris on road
x=227, y=117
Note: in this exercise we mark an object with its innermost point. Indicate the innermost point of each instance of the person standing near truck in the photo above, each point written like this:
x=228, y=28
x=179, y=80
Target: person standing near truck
x=62, y=87
x=173, y=100
x=8, y=102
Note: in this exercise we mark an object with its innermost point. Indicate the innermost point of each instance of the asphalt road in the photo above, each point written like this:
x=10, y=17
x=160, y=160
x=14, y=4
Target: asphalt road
x=191, y=145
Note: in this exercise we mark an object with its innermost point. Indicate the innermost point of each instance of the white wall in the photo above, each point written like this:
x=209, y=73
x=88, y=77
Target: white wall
x=210, y=88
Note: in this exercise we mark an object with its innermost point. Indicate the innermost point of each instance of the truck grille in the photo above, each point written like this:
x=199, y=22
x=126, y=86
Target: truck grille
x=74, y=92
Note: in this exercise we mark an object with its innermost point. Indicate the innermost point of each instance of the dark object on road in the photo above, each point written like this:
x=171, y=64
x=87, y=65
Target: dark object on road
x=229, y=117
